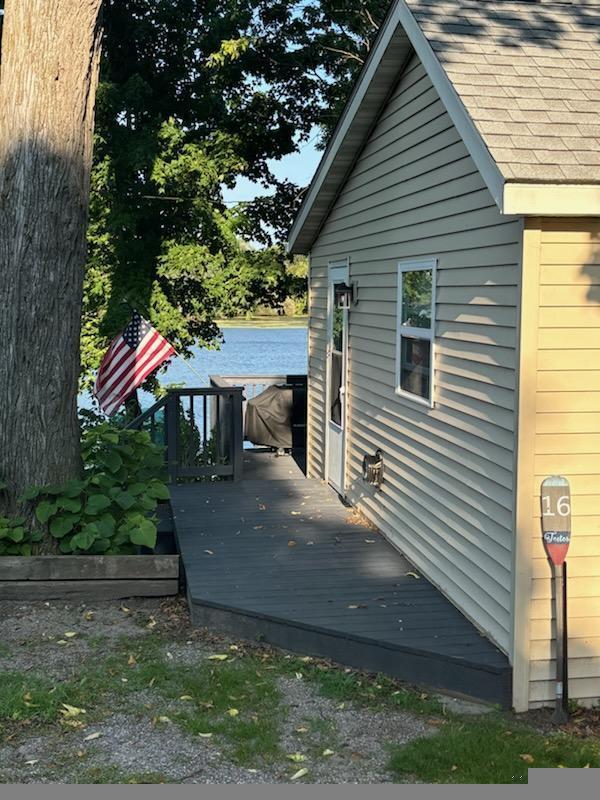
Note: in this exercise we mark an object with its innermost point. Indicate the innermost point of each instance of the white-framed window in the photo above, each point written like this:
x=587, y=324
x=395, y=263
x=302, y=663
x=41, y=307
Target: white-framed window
x=415, y=326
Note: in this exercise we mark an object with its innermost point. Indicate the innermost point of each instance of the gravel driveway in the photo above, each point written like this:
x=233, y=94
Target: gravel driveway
x=139, y=735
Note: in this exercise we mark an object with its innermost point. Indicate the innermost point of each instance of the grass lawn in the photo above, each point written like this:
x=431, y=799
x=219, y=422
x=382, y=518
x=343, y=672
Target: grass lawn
x=267, y=321
x=147, y=704
x=489, y=749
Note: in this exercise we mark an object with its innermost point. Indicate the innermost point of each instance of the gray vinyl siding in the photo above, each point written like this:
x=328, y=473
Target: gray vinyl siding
x=448, y=500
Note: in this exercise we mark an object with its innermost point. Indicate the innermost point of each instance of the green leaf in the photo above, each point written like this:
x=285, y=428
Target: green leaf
x=72, y=504
x=112, y=460
x=65, y=546
x=16, y=521
x=144, y=535
x=16, y=534
x=125, y=500
x=62, y=525
x=137, y=488
x=45, y=510
x=26, y=549
x=97, y=503
x=158, y=490
x=73, y=488
x=85, y=538
x=106, y=525
x=30, y=494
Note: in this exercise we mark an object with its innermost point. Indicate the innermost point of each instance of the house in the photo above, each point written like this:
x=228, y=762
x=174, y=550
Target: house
x=457, y=211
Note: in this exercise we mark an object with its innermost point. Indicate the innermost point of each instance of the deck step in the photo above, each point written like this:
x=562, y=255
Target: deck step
x=426, y=669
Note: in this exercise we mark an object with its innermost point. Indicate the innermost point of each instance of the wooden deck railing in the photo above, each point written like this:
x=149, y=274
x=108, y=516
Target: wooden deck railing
x=201, y=431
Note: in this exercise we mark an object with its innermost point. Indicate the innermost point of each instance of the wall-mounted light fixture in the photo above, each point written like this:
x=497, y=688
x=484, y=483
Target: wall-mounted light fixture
x=346, y=295
x=373, y=469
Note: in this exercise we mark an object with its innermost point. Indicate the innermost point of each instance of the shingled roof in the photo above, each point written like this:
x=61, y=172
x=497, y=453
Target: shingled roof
x=528, y=74
x=521, y=83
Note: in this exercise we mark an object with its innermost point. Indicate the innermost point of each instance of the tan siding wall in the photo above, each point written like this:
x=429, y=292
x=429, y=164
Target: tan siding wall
x=567, y=442
x=447, y=501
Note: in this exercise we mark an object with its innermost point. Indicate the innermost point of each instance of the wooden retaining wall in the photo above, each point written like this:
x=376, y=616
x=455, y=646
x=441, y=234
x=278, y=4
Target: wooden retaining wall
x=89, y=577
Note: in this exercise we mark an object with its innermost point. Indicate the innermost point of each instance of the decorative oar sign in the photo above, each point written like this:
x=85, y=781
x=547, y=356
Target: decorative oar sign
x=556, y=531
x=556, y=518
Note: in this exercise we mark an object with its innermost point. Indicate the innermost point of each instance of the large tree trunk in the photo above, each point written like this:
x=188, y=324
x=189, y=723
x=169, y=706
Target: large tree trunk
x=48, y=79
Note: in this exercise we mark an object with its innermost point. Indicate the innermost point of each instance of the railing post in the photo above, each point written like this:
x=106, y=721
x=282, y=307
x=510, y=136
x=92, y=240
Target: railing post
x=172, y=421
x=237, y=439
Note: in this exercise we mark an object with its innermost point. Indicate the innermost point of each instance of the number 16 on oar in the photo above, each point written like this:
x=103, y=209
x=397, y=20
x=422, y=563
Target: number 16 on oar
x=556, y=531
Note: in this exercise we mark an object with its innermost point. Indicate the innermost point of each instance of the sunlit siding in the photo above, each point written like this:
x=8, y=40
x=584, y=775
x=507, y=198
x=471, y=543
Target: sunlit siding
x=317, y=353
x=567, y=442
x=447, y=501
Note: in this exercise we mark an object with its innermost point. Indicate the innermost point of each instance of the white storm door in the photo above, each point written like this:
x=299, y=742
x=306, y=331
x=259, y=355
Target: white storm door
x=337, y=356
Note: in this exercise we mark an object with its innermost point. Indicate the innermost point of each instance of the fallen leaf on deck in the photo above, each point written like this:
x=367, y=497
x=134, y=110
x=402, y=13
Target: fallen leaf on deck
x=291, y=543
x=209, y=552
x=413, y=575
x=295, y=513
x=297, y=758
x=262, y=507
x=327, y=753
x=70, y=634
x=233, y=712
x=352, y=606
x=370, y=541
x=300, y=774
x=92, y=736
x=218, y=657
x=62, y=641
x=89, y=615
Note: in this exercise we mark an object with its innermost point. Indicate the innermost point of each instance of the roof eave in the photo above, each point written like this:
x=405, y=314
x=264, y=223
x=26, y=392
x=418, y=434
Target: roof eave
x=371, y=90
x=400, y=31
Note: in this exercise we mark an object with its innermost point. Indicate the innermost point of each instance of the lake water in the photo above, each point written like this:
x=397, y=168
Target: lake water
x=245, y=351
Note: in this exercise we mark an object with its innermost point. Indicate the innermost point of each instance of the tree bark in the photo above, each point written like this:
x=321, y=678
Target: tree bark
x=48, y=79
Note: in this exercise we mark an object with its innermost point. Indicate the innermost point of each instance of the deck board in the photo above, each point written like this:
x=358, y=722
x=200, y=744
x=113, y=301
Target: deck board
x=280, y=558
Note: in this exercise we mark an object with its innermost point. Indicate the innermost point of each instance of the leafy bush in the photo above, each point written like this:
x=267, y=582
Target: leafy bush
x=111, y=509
x=15, y=538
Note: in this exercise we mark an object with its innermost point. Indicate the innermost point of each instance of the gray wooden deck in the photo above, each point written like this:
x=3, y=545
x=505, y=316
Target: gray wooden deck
x=279, y=558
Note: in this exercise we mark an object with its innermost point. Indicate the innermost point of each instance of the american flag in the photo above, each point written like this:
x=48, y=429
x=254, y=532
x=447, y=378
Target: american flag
x=131, y=357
